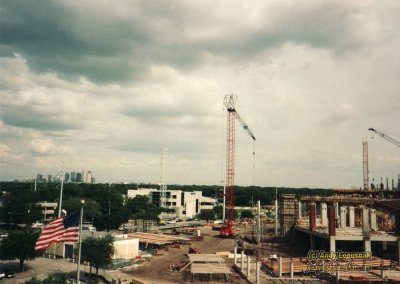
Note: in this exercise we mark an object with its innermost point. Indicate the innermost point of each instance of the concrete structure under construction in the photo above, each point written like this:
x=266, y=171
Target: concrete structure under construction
x=48, y=210
x=185, y=204
x=349, y=223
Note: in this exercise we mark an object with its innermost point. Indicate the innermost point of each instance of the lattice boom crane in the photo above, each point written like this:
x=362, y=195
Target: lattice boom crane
x=230, y=102
x=385, y=136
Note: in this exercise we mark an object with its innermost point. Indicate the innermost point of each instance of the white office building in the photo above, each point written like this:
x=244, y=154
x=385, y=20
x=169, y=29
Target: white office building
x=186, y=204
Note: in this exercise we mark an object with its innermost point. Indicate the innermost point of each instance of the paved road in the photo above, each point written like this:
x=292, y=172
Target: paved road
x=40, y=267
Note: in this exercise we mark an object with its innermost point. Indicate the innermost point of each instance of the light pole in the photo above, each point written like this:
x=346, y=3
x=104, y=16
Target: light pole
x=61, y=190
x=80, y=243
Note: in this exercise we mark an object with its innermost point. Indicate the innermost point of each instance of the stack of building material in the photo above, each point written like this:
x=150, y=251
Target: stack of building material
x=210, y=264
x=157, y=239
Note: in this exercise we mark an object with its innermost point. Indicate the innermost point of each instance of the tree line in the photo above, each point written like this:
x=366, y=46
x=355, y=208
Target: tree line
x=105, y=204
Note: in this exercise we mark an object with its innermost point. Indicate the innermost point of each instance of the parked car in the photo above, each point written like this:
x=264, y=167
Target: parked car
x=7, y=274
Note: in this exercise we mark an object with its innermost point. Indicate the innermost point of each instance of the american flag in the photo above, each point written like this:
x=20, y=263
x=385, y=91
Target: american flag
x=62, y=229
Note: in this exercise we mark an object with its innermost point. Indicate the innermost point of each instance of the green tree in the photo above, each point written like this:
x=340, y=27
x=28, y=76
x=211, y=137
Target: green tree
x=20, y=207
x=218, y=210
x=207, y=214
x=55, y=278
x=91, y=207
x=247, y=214
x=20, y=245
x=112, y=221
x=141, y=208
x=98, y=252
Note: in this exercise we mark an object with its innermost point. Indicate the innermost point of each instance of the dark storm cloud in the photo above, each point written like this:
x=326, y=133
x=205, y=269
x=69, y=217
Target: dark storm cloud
x=95, y=42
x=26, y=117
x=58, y=39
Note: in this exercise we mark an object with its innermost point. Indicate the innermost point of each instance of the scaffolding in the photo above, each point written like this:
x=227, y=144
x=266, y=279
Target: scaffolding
x=287, y=210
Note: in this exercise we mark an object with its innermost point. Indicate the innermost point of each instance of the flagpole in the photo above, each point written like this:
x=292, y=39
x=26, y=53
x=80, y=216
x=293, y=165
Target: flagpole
x=80, y=243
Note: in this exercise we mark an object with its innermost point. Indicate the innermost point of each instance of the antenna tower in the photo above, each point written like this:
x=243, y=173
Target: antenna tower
x=163, y=185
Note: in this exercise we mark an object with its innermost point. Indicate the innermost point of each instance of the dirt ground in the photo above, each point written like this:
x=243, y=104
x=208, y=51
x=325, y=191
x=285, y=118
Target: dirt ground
x=156, y=269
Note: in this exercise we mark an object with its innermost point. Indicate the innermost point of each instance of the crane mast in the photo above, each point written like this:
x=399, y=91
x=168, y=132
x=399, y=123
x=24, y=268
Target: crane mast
x=230, y=102
x=385, y=136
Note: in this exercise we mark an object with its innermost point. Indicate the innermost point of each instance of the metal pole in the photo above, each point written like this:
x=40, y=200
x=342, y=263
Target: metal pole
x=223, y=209
x=258, y=222
x=257, y=272
x=276, y=211
x=241, y=260
x=80, y=244
x=61, y=190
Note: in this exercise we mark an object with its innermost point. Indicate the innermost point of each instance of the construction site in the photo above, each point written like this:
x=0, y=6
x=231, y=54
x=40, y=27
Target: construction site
x=347, y=236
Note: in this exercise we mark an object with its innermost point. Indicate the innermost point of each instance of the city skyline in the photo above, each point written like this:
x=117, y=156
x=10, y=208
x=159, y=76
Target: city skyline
x=107, y=86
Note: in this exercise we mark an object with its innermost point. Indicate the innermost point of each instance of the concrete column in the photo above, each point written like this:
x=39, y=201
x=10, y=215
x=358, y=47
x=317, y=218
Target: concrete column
x=332, y=244
x=367, y=245
x=257, y=272
x=365, y=222
x=300, y=213
x=331, y=221
x=343, y=214
x=324, y=215
x=241, y=260
x=280, y=266
x=337, y=276
x=312, y=216
x=351, y=217
x=276, y=217
x=336, y=205
x=248, y=267
x=398, y=251
x=372, y=216
x=291, y=269
x=384, y=246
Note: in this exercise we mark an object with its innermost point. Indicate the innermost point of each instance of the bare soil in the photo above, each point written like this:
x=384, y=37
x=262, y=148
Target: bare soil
x=156, y=270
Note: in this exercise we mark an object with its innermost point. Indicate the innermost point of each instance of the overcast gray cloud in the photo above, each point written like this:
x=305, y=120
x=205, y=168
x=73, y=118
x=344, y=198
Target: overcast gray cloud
x=105, y=86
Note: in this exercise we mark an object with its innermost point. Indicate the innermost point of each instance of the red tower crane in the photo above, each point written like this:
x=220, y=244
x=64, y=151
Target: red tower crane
x=230, y=102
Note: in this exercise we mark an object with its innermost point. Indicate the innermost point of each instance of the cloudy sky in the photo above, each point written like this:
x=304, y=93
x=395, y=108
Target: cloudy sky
x=105, y=85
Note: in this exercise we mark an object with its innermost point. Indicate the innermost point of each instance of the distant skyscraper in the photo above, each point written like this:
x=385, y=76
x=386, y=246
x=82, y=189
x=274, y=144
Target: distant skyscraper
x=49, y=179
x=73, y=177
x=78, y=177
x=66, y=177
x=88, y=177
x=40, y=179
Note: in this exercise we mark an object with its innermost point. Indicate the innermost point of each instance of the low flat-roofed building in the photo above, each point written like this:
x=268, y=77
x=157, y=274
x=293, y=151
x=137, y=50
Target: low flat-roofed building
x=125, y=246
